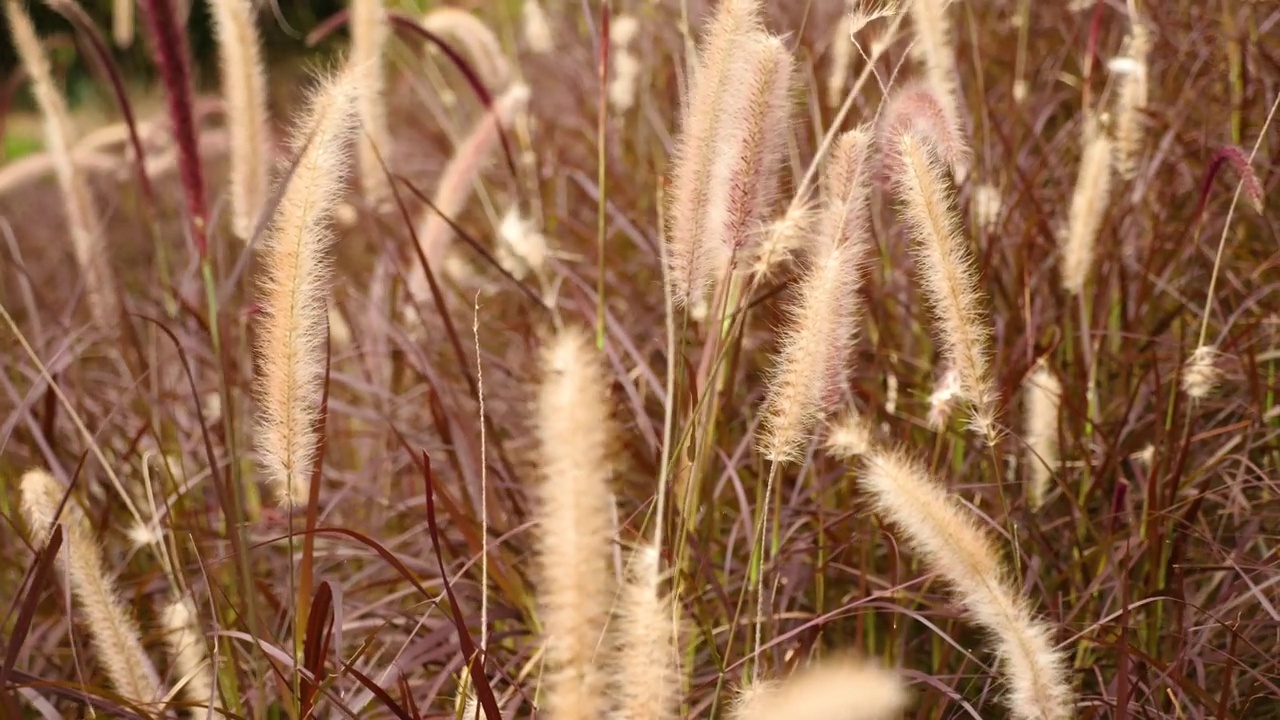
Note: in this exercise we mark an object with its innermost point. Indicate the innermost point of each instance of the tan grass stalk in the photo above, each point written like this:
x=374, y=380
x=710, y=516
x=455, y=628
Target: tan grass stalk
x=836, y=689
x=475, y=40
x=83, y=218
x=1131, y=100
x=715, y=80
x=947, y=274
x=1042, y=396
x=1200, y=373
x=112, y=628
x=190, y=655
x=295, y=288
x=748, y=158
x=574, y=429
x=948, y=538
x=646, y=686
x=934, y=49
x=244, y=88
x=1088, y=204
x=369, y=32
x=458, y=178
x=814, y=349
x=536, y=27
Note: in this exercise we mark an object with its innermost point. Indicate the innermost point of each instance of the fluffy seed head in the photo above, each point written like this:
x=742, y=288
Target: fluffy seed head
x=947, y=274
x=475, y=40
x=987, y=205
x=1200, y=373
x=1131, y=100
x=244, y=88
x=574, y=431
x=934, y=49
x=369, y=32
x=537, y=29
x=111, y=626
x=521, y=248
x=947, y=537
x=294, y=289
x=647, y=686
x=1088, y=204
x=920, y=108
x=850, y=436
x=1042, y=396
x=190, y=655
x=836, y=689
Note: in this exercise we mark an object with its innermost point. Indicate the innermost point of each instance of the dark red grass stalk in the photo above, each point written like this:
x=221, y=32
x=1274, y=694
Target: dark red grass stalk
x=168, y=45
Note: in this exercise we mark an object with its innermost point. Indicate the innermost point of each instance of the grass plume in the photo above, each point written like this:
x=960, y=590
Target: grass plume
x=111, y=626
x=1042, y=396
x=841, y=688
x=947, y=537
x=574, y=430
x=294, y=289
x=190, y=656
x=369, y=32
x=647, y=685
x=1088, y=205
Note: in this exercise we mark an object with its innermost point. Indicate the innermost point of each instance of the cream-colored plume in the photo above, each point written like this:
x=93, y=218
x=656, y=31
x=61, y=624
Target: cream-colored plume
x=521, y=249
x=575, y=579
x=947, y=275
x=1131, y=100
x=190, y=656
x=111, y=626
x=475, y=40
x=244, y=89
x=122, y=24
x=814, y=349
x=716, y=79
x=849, y=436
x=369, y=30
x=537, y=28
x=1088, y=205
x=748, y=155
x=294, y=290
x=934, y=49
x=836, y=689
x=947, y=536
x=459, y=176
x=1200, y=374
x=1041, y=396
x=84, y=222
x=647, y=686
x=625, y=72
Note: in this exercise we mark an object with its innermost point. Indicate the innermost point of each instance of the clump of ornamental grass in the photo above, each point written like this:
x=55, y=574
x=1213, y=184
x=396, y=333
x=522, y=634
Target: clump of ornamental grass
x=840, y=688
x=948, y=538
x=456, y=181
x=1042, y=396
x=111, y=626
x=84, y=222
x=946, y=271
x=1088, y=206
x=244, y=89
x=721, y=68
x=369, y=30
x=294, y=289
x=573, y=426
x=647, y=684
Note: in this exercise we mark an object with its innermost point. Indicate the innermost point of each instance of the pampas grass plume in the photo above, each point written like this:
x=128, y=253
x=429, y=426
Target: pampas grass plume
x=948, y=275
x=1042, y=396
x=1088, y=204
x=295, y=288
x=83, y=218
x=574, y=431
x=821, y=329
x=190, y=655
x=112, y=628
x=948, y=538
x=834, y=689
x=646, y=687
x=244, y=88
